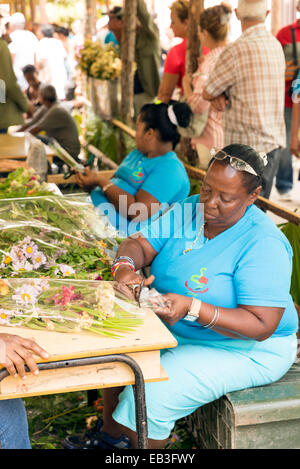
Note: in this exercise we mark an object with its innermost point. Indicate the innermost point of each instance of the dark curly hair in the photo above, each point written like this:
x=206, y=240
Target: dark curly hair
x=156, y=117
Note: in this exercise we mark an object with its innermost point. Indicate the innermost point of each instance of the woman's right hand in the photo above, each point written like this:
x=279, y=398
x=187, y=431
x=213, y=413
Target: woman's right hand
x=15, y=352
x=126, y=279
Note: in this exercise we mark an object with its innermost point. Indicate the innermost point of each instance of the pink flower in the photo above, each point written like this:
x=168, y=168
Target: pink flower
x=67, y=296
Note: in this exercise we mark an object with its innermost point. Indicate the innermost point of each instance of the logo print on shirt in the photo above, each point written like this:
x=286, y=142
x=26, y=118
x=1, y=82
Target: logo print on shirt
x=137, y=176
x=199, y=283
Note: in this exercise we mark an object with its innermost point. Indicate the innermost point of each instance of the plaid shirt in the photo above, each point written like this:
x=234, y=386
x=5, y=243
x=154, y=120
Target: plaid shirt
x=251, y=71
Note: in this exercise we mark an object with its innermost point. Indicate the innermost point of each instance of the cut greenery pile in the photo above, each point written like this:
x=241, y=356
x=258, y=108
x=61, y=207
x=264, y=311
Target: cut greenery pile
x=71, y=215
x=292, y=232
x=35, y=249
x=23, y=183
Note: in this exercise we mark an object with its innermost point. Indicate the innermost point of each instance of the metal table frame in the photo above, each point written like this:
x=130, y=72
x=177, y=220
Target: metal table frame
x=138, y=387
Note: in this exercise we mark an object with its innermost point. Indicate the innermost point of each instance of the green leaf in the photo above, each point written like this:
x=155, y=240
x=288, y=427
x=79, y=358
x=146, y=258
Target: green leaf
x=292, y=232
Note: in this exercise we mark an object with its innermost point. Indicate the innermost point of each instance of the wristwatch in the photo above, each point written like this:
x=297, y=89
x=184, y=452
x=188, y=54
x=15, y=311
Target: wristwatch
x=193, y=313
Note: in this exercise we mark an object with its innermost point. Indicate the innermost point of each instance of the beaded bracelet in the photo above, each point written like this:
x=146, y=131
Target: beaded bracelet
x=117, y=265
x=121, y=258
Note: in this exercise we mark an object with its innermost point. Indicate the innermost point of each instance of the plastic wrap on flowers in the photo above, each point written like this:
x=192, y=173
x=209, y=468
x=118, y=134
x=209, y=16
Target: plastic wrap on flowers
x=35, y=249
x=23, y=183
x=71, y=215
x=67, y=306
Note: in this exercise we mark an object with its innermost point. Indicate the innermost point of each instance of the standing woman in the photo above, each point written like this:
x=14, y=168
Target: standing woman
x=150, y=175
x=174, y=68
x=213, y=33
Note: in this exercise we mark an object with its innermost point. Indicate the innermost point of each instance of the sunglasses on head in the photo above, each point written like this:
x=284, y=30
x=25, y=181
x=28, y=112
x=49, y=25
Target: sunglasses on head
x=234, y=162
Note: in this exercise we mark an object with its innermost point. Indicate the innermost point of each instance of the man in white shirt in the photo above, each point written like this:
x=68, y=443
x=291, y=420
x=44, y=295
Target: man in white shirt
x=23, y=47
x=51, y=61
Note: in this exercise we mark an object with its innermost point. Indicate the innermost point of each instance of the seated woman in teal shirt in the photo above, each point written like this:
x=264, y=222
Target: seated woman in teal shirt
x=224, y=269
x=149, y=176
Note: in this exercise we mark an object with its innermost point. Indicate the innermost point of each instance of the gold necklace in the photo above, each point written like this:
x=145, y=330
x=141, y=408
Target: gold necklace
x=195, y=240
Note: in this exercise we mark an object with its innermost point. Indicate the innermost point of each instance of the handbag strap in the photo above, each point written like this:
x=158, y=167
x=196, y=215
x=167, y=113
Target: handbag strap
x=295, y=55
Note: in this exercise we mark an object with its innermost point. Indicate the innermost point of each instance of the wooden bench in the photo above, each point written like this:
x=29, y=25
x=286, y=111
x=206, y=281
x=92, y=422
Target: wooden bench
x=265, y=417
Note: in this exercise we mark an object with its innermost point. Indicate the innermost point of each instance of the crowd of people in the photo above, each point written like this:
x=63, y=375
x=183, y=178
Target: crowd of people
x=237, y=94
x=38, y=69
x=222, y=266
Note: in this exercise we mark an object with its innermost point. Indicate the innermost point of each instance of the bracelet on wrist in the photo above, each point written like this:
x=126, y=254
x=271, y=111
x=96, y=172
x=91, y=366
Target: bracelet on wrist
x=117, y=265
x=107, y=186
x=124, y=258
x=214, y=320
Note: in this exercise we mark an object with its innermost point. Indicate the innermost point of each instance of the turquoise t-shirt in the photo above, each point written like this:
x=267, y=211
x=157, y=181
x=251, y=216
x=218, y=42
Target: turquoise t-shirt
x=111, y=38
x=296, y=85
x=164, y=177
x=248, y=264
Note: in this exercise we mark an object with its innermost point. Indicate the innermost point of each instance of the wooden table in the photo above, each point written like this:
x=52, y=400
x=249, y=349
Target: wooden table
x=87, y=361
x=16, y=147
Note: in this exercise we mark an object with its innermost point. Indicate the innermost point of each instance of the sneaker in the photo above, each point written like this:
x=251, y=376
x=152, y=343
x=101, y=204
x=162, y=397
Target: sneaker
x=96, y=439
x=286, y=196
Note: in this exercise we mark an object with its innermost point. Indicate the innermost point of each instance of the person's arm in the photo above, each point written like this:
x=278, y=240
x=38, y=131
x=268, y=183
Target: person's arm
x=138, y=207
x=167, y=87
x=243, y=322
x=13, y=91
x=146, y=20
x=142, y=254
x=7, y=166
x=294, y=142
x=17, y=352
x=34, y=120
x=35, y=130
x=220, y=79
x=261, y=282
x=193, y=91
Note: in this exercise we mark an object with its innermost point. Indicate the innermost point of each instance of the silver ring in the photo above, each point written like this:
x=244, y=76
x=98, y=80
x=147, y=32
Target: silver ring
x=133, y=287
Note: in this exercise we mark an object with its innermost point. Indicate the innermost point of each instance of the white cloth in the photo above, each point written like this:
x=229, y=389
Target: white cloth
x=23, y=49
x=53, y=55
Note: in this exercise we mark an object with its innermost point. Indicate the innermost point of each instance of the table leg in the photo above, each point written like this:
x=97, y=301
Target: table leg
x=138, y=387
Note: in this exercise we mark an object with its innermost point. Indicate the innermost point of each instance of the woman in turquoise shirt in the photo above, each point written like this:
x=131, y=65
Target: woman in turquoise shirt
x=149, y=176
x=224, y=269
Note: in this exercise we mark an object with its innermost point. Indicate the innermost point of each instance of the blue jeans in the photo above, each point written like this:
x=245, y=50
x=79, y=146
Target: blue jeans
x=13, y=425
x=284, y=178
x=3, y=131
x=270, y=171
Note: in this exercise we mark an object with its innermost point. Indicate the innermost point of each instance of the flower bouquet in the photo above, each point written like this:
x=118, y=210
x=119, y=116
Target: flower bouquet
x=98, y=61
x=67, y=306
x=23, y=183
x=35, y=249
x=71, y=215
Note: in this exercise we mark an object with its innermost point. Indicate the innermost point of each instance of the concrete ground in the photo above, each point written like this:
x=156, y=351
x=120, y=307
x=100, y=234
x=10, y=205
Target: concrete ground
x=292, y=205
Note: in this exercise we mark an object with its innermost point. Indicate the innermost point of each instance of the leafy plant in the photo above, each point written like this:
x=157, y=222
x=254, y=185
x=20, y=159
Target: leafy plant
x=52, y=418
x=36, y=250
x=102, y=135
x=292, y=232
x=23, y=183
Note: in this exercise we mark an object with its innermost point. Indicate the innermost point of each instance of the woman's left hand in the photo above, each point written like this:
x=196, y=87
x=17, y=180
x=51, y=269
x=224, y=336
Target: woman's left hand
x=87, y=180
x=177, y=308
